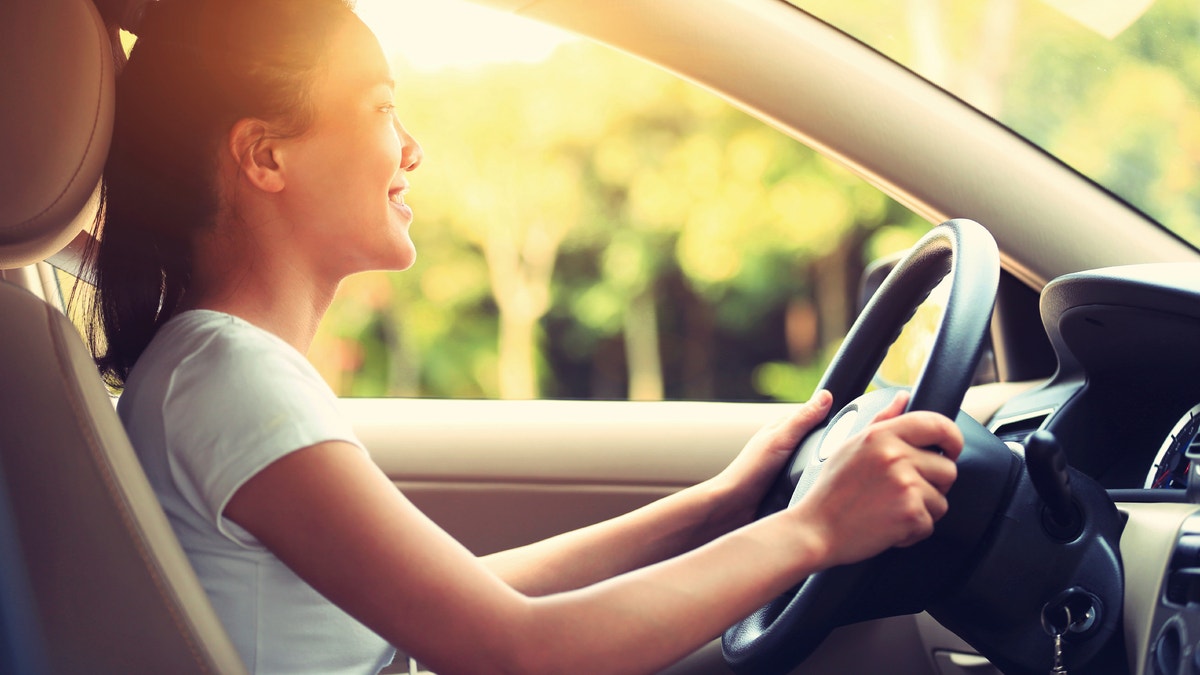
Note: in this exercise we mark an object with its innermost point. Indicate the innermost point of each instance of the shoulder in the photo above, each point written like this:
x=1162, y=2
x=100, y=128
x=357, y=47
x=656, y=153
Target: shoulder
x=224, y=337
x=202, y=347
x=231, y=399
x=217, y=373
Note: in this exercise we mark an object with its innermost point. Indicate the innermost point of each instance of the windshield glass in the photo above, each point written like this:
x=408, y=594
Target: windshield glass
x=1110, y=87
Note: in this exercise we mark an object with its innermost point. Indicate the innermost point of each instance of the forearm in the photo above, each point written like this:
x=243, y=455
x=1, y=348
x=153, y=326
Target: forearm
x=666, y=528
x=641, y=621
x=672, y=525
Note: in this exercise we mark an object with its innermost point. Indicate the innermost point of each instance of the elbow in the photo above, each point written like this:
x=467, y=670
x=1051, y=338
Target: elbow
x=527, y=651
x=513, y=645
x=532, y=646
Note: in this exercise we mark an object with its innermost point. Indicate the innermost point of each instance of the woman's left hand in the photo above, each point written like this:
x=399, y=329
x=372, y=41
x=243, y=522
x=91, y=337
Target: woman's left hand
x=741, y=486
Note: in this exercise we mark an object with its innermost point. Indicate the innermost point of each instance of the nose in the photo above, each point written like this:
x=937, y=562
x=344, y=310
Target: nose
x=411, y=153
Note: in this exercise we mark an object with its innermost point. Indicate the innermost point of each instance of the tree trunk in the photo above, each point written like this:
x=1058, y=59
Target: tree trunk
x=835, y=279
x=641, y=348
x=699, y=335
x=517, y=356
x=520, y=273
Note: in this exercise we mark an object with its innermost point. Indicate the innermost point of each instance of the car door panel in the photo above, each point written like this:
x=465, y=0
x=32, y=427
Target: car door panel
x=498, y=474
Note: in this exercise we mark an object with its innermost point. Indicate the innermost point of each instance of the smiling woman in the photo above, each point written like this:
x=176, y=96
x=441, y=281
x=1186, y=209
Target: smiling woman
x=650, y=207
x=294, y=166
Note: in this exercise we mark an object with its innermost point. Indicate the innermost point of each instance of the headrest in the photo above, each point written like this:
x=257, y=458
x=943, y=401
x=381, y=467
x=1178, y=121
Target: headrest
x=57, y=85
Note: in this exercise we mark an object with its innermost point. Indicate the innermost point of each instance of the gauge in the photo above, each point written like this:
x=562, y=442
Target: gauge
x=1171, y=464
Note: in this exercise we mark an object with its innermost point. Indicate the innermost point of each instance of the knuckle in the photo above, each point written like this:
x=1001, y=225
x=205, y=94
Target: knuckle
x=951, y=471
x=869, y=436
x=892, y=456
x=920, y=521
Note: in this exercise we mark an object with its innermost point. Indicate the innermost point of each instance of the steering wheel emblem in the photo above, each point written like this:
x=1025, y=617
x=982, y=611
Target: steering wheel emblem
x=838, y=432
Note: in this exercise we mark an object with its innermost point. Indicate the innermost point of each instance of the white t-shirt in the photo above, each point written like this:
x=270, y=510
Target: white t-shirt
x=211, y=402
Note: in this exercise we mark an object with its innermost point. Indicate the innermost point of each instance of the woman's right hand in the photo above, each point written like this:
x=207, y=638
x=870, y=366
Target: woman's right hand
x=882, y=488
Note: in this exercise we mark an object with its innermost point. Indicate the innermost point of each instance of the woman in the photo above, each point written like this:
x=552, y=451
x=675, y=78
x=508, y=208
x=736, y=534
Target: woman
x=256, y=162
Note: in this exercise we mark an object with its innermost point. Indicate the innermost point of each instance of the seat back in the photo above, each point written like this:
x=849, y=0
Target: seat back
x=112, y=590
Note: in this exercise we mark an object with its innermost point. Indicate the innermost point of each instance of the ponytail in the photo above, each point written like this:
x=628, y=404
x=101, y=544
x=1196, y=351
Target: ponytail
x=197, y=68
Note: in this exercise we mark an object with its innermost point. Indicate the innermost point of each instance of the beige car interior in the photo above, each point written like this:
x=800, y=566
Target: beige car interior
x=112, y=589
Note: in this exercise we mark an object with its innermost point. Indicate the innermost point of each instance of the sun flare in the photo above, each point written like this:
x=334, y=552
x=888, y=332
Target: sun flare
x=433, y=35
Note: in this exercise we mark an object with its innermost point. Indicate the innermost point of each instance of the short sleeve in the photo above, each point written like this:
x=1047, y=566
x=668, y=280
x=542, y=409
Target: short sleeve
x=235, y=406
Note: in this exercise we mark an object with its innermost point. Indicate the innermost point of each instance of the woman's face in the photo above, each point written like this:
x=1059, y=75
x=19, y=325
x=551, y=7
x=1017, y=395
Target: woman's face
x=347, y=174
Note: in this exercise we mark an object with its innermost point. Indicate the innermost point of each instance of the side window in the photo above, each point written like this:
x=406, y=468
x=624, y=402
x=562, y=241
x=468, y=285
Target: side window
x=590, y=227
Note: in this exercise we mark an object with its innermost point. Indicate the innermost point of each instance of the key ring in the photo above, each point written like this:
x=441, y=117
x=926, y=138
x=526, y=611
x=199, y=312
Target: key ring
x=1052, y=628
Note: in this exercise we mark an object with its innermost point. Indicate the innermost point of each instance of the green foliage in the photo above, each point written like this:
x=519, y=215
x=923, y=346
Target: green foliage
x=1124, y=111
x=592, y=227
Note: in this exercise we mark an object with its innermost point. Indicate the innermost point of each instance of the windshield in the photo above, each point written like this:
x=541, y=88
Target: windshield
x=1110, y=87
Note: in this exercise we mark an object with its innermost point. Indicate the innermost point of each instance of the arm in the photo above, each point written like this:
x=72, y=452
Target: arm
x=665, y=528
x=357, y=540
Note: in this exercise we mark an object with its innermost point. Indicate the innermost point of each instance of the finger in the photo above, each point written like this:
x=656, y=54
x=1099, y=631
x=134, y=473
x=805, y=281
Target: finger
x=807, y=415
x=933, y=507
x=940, y=472
x=936, y=471
x=814, y=410
x=893, y=409
x=919, y=527
x=938, y=506
x=941, y=476
x=821, y=398
x=924, y=429
x=816, y=406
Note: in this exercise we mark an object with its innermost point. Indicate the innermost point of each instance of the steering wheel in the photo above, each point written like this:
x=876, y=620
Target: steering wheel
x=785, y=631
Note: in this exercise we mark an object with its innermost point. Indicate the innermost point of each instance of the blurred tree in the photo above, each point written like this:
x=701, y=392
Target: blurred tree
x=595, y=191
x=1123, y=108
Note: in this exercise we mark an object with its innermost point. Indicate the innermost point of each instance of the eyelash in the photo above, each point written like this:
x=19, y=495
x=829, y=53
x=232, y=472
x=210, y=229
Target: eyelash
x=388, y=108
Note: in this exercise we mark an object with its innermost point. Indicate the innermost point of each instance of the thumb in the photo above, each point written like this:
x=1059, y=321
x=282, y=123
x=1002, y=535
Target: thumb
x=793, y=427
x=893, y=409
x=816, y=407
x=813, y=411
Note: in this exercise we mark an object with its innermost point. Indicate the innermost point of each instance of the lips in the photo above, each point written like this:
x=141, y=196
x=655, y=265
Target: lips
x=396, y=199
x=396, y=195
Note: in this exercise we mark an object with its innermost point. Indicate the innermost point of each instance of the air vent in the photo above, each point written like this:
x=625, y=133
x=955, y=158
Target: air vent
x=1018, y=427
x=1183, y=572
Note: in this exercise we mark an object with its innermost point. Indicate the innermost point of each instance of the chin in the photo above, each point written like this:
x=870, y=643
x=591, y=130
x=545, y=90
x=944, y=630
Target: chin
x=408, y=262
x=404, y=256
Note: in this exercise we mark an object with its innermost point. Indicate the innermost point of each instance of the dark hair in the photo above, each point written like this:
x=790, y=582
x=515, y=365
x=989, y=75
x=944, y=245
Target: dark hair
x=197, y=67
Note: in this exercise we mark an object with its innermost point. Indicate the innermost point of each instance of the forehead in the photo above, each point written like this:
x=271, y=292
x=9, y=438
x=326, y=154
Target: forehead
x=355, y=62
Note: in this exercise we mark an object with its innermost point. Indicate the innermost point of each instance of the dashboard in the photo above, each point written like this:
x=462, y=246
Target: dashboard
x=1125, y=398
x=1124, y=404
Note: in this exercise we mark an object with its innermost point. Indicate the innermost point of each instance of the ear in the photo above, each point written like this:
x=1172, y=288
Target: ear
x=256, y=154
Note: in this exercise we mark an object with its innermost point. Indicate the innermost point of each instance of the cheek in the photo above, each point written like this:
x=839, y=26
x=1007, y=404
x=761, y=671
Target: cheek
x=364, y=166
x=329, y=177
x=392, y=148
x=313, y=165
x=344, y=171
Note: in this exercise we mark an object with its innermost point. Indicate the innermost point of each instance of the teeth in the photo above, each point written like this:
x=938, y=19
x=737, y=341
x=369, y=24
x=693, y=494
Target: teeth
x=396, y=197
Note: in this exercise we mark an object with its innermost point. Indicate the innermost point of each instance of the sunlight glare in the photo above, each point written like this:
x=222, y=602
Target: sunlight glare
x=432, y=35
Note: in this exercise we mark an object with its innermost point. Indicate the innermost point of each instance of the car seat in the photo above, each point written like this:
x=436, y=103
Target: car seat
x=109, y=585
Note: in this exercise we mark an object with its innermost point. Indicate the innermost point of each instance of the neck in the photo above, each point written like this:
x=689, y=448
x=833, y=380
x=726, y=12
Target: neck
x=282, y=298
x=293, y=319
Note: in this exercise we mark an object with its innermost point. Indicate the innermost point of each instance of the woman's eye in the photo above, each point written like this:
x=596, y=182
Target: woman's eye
x=387, y=108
